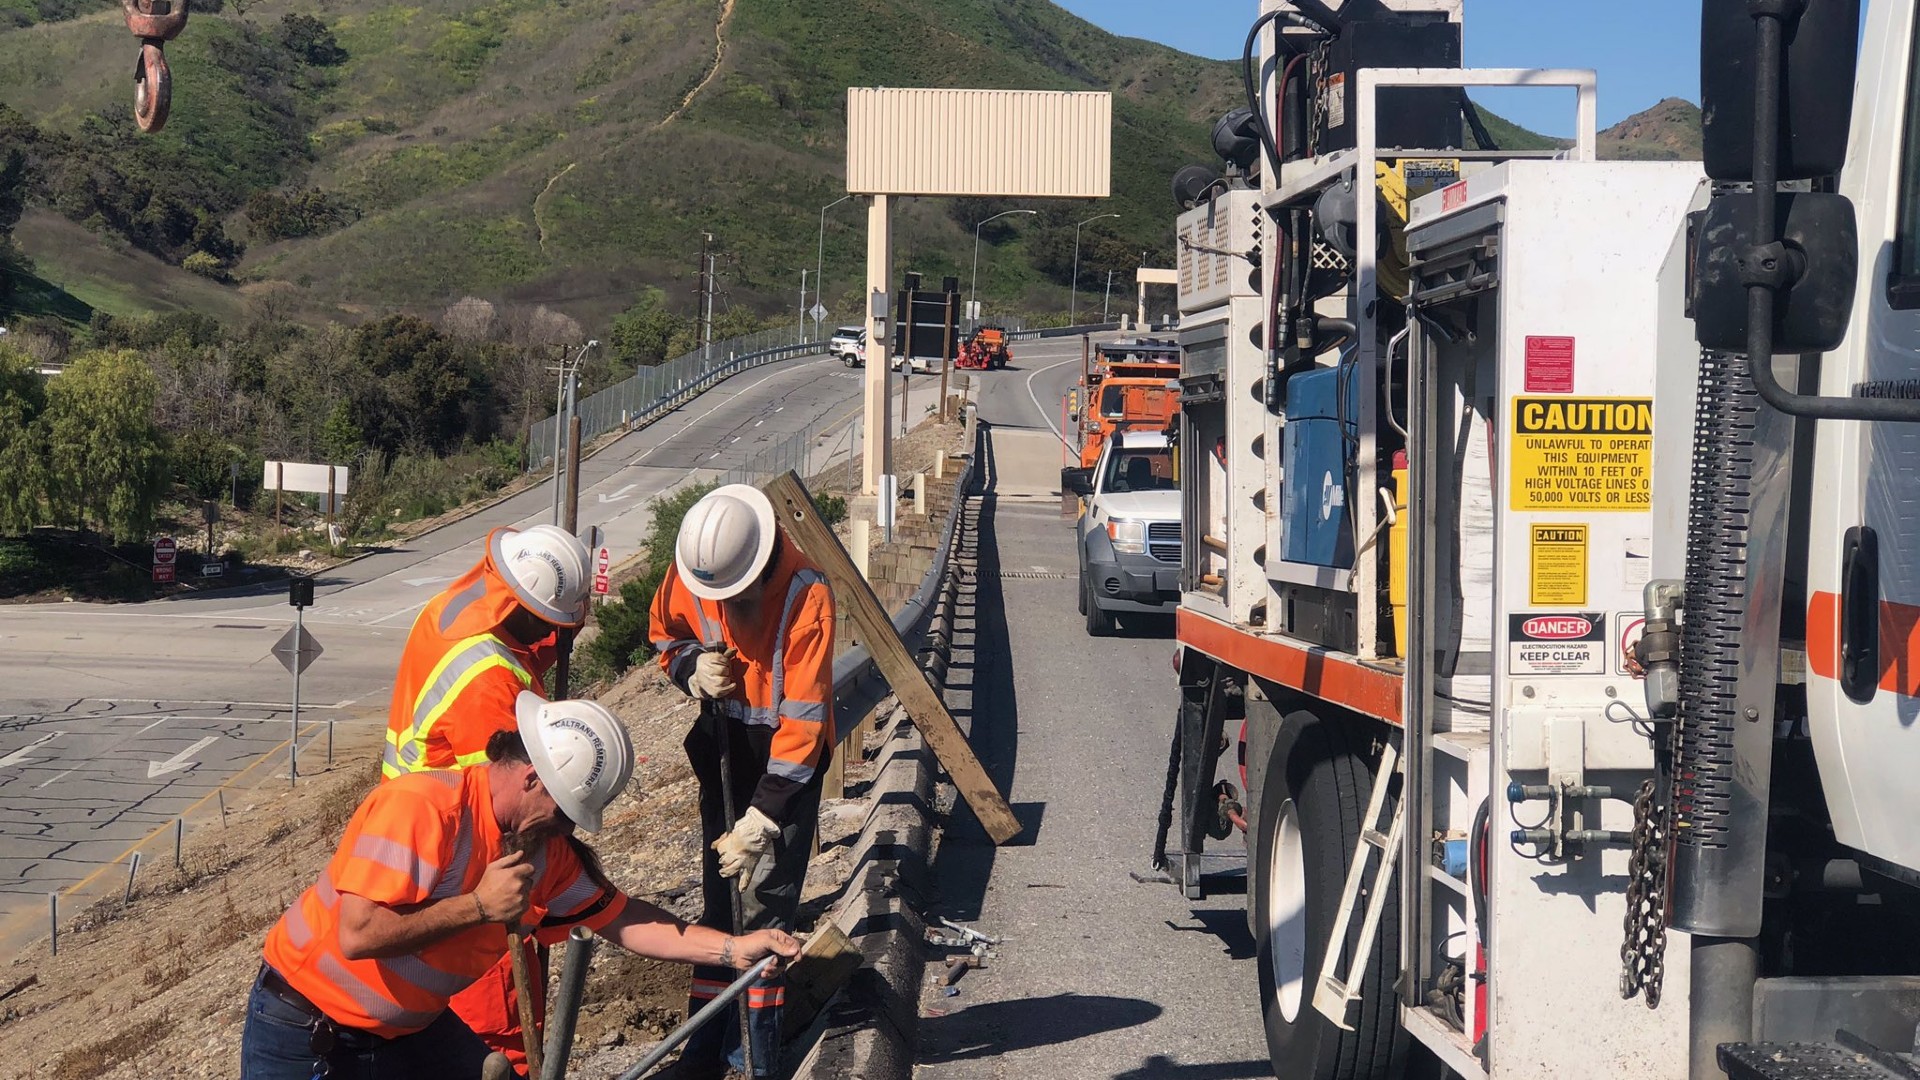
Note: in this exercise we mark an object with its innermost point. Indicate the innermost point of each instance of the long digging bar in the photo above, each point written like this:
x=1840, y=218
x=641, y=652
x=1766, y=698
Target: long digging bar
x=707, y=1012
x=724, y=733
x=566, y=1007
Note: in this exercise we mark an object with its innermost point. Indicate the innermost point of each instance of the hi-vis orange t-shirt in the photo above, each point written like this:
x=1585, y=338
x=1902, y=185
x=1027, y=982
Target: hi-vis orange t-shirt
x=417, y=838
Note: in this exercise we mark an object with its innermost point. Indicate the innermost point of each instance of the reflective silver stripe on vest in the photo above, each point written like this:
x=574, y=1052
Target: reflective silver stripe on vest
x=815, y=711
x=370, y=1000
x=397, y=856
x=422, y=975
x=453, y=881
x=430, y=700
x=795, y=590
x=324, y=889
x=461, y=601
x=299, y=933
x=748, y=714
x=388, y=757
x=799, y=774
x=577, y=896
x=666, y=647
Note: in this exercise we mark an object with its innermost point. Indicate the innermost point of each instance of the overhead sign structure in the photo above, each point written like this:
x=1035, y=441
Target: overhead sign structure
x=165, y=552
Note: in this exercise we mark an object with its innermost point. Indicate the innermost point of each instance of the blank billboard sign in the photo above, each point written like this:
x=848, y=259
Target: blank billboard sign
x=999, y=143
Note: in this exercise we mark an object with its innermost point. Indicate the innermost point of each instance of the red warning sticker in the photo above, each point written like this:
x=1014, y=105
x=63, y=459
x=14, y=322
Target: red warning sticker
x=1549, y=365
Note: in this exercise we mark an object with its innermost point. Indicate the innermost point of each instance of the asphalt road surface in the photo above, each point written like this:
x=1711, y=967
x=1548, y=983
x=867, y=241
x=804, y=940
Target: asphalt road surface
x=1099, y=976
x=117, y=718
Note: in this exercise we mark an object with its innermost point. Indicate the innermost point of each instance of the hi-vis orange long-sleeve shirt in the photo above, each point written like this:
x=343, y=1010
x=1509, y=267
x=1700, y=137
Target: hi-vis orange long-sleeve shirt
x=784, y=668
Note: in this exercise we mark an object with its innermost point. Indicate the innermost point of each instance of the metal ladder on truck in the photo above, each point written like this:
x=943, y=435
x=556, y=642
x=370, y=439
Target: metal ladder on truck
x=1335, y=993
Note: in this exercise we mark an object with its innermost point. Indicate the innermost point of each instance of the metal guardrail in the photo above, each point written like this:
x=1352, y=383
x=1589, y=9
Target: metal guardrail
x=651, y=391
x=1061, y=331
x=857, y=683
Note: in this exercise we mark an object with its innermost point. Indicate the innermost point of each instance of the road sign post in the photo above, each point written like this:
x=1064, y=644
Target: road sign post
x=296, y=649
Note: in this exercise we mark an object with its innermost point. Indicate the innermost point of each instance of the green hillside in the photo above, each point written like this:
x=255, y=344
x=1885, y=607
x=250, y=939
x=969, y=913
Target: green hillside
x=397, y=156
x=571, y=152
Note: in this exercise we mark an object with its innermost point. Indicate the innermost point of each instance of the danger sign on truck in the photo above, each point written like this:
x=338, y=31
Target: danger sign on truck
x=1582, y=454
x=1557, y=643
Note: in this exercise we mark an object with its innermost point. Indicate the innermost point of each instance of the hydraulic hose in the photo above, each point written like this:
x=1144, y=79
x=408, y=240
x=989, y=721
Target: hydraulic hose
x=1322, y=24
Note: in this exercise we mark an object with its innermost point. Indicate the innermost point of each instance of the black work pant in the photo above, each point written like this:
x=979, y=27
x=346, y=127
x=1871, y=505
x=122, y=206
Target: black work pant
x=771, y=901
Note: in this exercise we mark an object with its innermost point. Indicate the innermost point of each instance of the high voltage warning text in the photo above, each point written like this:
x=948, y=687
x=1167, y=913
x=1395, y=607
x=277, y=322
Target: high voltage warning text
x=1591, y=454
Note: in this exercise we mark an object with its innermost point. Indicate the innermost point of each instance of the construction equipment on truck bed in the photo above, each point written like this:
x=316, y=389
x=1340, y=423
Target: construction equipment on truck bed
x=1567, y=653
x=985, y=350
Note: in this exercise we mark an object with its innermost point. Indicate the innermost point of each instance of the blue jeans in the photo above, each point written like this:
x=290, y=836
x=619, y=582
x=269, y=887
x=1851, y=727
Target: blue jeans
x=277, y=1044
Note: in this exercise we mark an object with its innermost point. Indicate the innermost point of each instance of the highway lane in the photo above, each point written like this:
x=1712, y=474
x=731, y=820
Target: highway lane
x=1099, y=976
x=115, y=718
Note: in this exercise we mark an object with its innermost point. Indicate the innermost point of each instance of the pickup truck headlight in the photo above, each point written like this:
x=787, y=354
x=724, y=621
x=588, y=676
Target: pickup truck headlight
x=1129, y=537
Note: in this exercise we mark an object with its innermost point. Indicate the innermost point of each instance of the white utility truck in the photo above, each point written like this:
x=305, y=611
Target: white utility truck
x=1557, y=665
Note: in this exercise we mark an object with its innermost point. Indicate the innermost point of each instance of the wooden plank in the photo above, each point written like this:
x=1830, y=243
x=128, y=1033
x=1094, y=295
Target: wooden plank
x=794, y=507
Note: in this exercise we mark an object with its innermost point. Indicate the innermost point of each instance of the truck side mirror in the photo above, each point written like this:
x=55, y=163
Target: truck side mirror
x=1078, y=481
x=1816, y=87
x=1821, y=242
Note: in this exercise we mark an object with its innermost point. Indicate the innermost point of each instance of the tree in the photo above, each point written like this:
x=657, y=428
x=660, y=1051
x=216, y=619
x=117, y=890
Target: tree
x=423, y=386
x=641, y=335
x=107, y=467
x=309, y=39
x=23, y=444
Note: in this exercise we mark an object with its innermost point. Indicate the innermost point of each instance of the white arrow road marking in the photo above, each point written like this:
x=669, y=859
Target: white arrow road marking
x=416, y=582
x=179, y=761
x=19, y=757
x=619, y=495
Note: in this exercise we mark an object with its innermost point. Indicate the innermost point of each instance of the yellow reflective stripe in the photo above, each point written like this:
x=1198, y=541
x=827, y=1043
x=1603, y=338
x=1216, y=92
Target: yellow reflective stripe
x=461, y=761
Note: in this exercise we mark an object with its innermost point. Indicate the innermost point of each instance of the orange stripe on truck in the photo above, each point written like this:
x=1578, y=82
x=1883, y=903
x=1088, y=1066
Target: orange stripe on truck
x=1311, y=670
x=1899, y=643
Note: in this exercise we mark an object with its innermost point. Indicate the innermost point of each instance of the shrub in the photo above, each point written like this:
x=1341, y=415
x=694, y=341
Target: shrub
x=203, y=264
x=831, y=508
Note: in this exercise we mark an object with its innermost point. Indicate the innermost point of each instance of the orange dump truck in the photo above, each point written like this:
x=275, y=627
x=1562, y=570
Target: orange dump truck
x=1128, y=385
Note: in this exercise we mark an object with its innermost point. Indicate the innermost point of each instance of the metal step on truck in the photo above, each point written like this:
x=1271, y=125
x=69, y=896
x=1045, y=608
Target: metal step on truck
x=1551, y=557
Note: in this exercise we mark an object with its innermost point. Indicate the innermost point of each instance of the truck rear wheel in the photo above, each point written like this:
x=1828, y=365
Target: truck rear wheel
x=1311, y=807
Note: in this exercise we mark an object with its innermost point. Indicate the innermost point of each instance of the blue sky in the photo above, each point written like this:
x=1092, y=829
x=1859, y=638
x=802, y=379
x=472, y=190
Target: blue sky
x=1644, y=50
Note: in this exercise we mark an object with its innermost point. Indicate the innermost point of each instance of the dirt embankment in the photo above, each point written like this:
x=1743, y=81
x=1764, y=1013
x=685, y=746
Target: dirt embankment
x=156, y=988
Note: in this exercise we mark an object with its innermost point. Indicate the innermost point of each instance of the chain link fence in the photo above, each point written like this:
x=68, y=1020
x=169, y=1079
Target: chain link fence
x=655, y=390
x=808, y=453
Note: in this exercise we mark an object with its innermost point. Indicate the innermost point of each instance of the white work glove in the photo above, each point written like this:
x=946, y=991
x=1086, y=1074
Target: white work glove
x=740, y=850
x=712, y=676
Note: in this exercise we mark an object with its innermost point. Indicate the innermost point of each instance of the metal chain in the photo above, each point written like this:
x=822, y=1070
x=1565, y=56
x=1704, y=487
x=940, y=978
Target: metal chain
x=1643, y=952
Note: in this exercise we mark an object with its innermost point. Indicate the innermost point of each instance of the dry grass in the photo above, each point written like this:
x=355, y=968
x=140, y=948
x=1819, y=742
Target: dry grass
x=97, y=1058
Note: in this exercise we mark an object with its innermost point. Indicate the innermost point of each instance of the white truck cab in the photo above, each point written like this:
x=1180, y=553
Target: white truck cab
x=1129, y=531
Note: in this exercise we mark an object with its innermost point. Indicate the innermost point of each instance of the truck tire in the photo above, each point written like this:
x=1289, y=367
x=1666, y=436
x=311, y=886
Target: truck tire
x=1311, y=805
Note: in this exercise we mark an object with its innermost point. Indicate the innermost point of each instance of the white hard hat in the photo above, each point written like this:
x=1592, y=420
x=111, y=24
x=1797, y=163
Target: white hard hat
x=547, y=567
x=725, y=541
x=580, y=752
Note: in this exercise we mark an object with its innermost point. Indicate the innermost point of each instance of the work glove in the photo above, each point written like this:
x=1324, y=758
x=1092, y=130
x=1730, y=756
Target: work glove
x=740, y=850
x=712, y=676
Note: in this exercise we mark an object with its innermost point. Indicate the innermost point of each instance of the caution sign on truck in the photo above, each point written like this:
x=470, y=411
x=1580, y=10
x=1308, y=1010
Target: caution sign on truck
x=1582, y=454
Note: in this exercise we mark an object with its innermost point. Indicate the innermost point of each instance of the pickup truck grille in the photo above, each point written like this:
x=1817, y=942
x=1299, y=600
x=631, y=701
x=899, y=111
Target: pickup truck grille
x=1163, y=541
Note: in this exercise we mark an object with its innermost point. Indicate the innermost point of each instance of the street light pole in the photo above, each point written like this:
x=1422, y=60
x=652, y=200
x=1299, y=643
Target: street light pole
x=803, y=307
x=1073, y=305
x=820, y=256
x=973, y=290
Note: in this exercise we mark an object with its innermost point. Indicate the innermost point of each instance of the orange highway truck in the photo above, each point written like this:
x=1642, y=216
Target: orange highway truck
x=1125, y=385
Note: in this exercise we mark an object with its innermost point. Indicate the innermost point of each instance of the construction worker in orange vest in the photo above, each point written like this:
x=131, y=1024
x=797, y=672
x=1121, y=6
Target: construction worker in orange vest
x=416, y=903
x=744, y=622
x=475, y=648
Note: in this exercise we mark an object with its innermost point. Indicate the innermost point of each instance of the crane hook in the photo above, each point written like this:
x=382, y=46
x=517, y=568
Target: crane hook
x=154, y=22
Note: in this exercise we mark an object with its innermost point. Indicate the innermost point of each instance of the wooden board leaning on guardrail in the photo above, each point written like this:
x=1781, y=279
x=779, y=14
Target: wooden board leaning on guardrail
x=793, y=506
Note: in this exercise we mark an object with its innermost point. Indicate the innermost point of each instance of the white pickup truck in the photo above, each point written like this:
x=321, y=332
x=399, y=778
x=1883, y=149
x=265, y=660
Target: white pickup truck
x=1129, y=531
